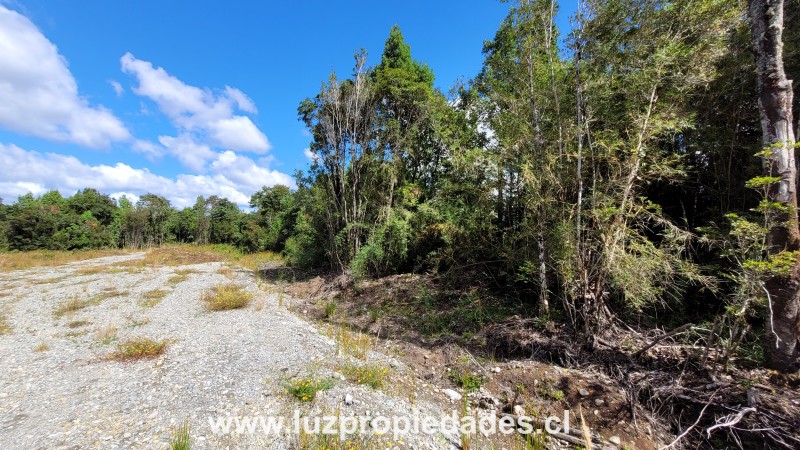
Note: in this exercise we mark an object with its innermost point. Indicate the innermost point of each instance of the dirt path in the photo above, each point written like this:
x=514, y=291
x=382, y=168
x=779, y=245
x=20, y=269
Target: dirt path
x=59, y=389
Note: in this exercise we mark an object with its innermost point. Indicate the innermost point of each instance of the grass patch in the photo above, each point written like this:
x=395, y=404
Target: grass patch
x=179, y=276
x=305, y=389
x=182, y=255
x=5, y=327
x=76, y=333
x=76, y=304
x=372, y=375
x=350, y=342
x=43, y=347
x=469, y=381
x=152, y=298
x=78, y=323
x=25, y=260
x=91, y=270
x=257, y=261
x=108, y=293
x=226, y=296
x=72, y=306
x=329, y=309
x=139, y=348
x=548, y=391
x=180, y=437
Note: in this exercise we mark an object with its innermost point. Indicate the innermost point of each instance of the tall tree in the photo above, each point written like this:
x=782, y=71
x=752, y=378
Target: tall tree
x=775, y=106
x=520, y=82
x=342, y=121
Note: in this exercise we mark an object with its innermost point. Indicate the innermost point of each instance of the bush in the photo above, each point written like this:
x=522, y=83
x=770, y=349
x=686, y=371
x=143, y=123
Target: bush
x=386, y=251
x=467, y=380
x=226, y=296
x=304, y=248
x=139, y=348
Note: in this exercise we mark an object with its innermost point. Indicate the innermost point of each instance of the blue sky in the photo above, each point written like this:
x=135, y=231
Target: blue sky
x=195, y=98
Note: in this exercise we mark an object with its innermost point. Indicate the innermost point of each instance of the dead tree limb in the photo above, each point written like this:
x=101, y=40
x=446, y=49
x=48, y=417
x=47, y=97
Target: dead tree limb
x=655, y=341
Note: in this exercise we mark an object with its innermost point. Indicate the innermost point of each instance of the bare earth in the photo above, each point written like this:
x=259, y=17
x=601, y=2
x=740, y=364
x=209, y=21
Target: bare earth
x=59, y=389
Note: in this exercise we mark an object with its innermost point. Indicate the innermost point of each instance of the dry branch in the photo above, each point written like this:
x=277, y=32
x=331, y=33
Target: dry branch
x=655, y=341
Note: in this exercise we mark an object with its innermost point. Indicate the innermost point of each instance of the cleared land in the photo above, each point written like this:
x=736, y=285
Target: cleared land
x=119, y=351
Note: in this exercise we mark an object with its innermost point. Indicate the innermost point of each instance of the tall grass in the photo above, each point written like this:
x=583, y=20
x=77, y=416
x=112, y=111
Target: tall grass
x=25, y=260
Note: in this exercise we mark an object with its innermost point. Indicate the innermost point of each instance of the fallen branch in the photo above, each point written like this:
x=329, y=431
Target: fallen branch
x=688, y=430
x=647, y=347
x=728, y=421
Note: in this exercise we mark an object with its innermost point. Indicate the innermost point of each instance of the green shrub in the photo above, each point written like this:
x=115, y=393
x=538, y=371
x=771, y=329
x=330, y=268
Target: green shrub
x=467, y=380
x=305, y=389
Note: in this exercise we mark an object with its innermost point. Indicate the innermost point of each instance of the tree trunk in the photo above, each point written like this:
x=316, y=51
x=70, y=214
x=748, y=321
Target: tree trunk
x=775, y=106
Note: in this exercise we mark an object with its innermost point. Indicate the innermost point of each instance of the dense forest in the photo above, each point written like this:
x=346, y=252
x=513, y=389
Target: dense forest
x=604, y=176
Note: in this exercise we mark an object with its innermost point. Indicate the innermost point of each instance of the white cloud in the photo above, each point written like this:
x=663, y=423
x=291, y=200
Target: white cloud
x=311, y=156
x=200, y=112
x=129, y=195
x=243, y=171
x=190, y=153
x=152, y=150
x=38, y=94
x=118, y=89
x=244, y=102
x=233, y=176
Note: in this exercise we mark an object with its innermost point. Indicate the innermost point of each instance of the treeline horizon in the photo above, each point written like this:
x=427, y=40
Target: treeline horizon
x=90, y=219
x=628, y=178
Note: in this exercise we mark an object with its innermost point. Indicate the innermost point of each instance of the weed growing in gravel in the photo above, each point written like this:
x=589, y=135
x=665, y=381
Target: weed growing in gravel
x=152, y=298
x=372, y=375
x=139, y=322
x=259, y=305
x=72, y=305
x=226, y=271
x=180, y=437
x=106, y=335
x=76, y=304
x=180, y=276
x=305, y=389
x=226, y=296
x=5, y=327
x=78, y=323
x=350, y=342
x=467, y=380
x=322, y=441
x=139, y=348
x=108, y=293
x=43, y=347
x=91, y=270
x=76, y=333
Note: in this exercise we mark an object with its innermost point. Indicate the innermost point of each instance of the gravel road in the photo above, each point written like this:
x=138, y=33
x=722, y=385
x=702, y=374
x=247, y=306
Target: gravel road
x=59, y=389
